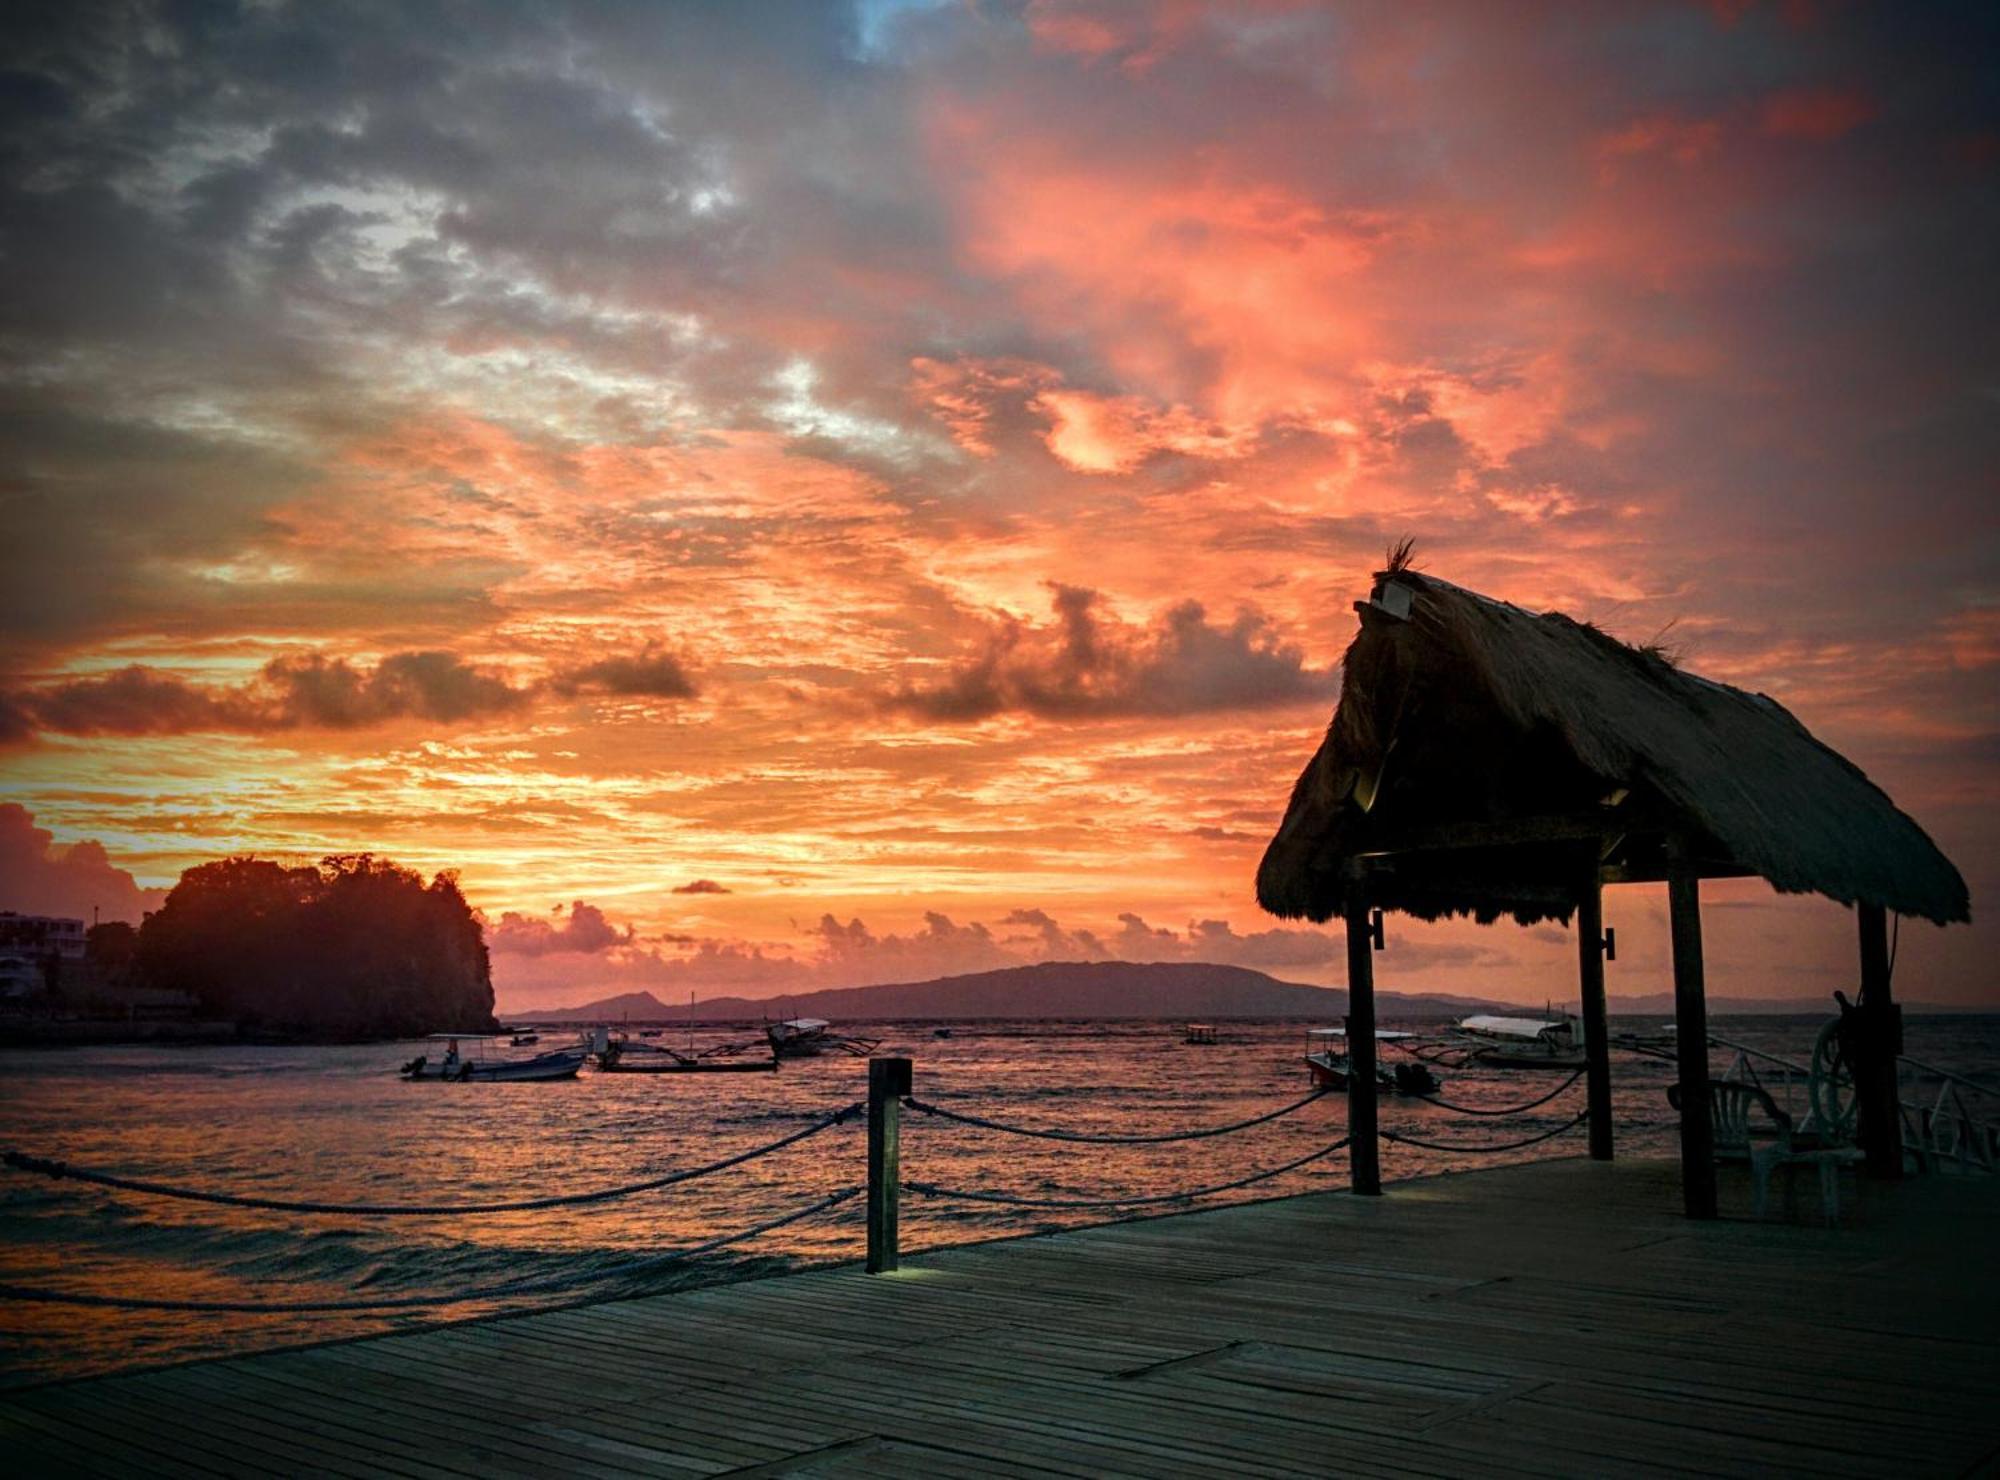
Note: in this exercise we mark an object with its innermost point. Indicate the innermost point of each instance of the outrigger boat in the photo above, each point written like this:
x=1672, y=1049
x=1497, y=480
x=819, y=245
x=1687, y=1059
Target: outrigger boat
x=1328, y=1064
x=807, y=1038
x=457, y=1068
x=622, y=1056
x=1522, y=1043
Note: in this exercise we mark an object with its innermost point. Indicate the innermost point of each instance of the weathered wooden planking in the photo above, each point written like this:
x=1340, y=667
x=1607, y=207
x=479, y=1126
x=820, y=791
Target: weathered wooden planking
x=1535, y=1319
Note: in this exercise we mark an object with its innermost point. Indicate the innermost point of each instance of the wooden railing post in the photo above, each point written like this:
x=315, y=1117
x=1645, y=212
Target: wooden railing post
x=1364, y=1151
x=1596, y=1030
x=889, y=1080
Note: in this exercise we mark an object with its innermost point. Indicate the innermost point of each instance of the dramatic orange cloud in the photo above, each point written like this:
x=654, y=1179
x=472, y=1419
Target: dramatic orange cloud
x=883, y=495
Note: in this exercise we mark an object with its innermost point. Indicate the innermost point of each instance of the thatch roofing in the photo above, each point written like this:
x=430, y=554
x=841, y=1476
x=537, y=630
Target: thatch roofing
x=1484, y=758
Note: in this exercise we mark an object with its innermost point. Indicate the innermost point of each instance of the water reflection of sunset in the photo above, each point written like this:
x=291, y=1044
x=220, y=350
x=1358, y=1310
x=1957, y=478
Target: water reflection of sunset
x=923, y=506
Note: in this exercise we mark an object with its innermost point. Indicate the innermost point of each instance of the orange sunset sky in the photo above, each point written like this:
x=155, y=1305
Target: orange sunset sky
x=798, y=495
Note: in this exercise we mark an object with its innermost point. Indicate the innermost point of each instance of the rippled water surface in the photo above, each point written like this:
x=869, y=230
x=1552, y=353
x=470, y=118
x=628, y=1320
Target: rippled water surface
x=335, y=1124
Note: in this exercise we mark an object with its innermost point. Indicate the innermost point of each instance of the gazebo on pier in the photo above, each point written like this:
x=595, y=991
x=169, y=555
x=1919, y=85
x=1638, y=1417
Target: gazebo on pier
x=1488, y=761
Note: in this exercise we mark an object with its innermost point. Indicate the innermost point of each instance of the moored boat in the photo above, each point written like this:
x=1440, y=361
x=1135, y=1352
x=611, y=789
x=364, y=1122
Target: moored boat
x=457, y=1067
x=798, y=1038
x=1522, y=1042
x=619, y=1055
x=1328, y=1064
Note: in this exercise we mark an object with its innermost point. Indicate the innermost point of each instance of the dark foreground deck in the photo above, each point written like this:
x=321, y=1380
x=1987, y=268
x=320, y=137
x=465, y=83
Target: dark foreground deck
x=1552, y=1318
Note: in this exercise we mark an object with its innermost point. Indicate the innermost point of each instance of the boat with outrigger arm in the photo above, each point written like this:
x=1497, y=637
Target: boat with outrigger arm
x=1497, y=1042
x=617, y=1053
x=1328, y=1063
x=454, y=1066
x=809, y=1037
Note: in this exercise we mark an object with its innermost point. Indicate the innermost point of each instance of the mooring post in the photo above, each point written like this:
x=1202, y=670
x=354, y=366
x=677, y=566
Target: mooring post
x=1596, y=1039
x=1879, y=1128
x=1691, y=1034
x=889, y=1079
x=1364, y=1151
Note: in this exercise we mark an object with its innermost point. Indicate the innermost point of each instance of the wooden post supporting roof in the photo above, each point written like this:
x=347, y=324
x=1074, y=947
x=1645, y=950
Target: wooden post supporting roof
x=1596, y=1039
x=1691, y=1033
x=1364, y=1152
x=1879, y=1127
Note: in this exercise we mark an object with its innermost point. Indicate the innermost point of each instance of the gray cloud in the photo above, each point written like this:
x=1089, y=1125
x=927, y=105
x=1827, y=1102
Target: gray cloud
x=1085, y=665
x=293, y=692
x=654, y=673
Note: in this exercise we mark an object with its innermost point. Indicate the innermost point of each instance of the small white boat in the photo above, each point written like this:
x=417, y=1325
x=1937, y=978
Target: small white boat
x=456, y=1067
x=1521, y=1042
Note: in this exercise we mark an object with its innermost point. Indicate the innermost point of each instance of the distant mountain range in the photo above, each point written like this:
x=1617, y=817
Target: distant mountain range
x=1105, y=989
x=1055, y=989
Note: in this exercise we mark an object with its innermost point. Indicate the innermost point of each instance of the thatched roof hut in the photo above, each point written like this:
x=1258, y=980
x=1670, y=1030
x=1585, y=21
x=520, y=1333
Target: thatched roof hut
x=1487, y=761
x=1463, y=719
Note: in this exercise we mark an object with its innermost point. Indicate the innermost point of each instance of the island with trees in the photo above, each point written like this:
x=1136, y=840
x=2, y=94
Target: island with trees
x=351, y=947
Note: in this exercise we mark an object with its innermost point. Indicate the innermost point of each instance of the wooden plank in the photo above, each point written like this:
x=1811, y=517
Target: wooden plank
x=1553, y=1316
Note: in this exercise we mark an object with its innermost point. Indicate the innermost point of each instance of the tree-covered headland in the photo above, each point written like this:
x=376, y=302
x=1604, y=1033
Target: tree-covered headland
x=352, y=947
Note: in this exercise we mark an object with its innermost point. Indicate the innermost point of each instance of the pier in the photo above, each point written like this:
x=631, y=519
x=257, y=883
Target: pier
x=1555, y=1317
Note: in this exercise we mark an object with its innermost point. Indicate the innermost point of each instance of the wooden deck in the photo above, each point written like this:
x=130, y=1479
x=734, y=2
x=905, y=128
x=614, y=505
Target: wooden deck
x=1551, y=1318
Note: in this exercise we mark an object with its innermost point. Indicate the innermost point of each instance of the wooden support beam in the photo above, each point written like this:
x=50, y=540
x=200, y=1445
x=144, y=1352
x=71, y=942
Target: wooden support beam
x=1691, y=1031
x=1596, y=1030
x=889, y=1079
x=1878, y=1041
x=1364, y=1150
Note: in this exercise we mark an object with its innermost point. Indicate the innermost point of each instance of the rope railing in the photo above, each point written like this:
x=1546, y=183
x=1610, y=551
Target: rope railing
x=1088, y=1138
x=1509, y=1110
x=507, y=1290
x=1549, y=1135
x=967, y=1194
x=62, y=1171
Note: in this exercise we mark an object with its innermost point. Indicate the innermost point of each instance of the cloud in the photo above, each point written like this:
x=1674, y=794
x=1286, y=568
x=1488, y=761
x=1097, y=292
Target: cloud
x=700, y=886
x=1086, y=665
x=135, y=700
x=39, y=878
x=331, y=692
x=654, y=673
x=302, y=691
x=583, y=930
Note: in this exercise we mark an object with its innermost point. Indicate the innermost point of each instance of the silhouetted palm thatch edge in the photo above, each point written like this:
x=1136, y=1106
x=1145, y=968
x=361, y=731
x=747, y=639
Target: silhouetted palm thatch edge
x=1734, y=767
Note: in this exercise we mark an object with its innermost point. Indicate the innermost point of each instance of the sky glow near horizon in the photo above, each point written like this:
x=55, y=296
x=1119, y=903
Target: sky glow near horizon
x=784, y=496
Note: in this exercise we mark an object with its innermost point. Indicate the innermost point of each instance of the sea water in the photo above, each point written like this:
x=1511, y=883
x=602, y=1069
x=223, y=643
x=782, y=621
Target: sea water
x=337, y=1124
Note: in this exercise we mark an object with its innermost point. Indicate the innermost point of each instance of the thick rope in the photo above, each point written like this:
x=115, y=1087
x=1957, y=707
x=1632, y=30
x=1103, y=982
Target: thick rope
x=61, y=1171
x=1048, y=1135
x=966, y=1194
x=1503, y=1146
x=1511, y=1109
x=541, y=1285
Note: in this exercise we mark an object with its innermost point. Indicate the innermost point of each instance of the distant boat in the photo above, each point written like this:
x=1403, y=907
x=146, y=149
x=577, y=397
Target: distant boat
x=798, y=1038
x=455, y=1067
x=1327, y=1062
x=940, y=1032
x=1521, y=1042
x=622, y=1056
x=1199, y=1033
x=522, y=1040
